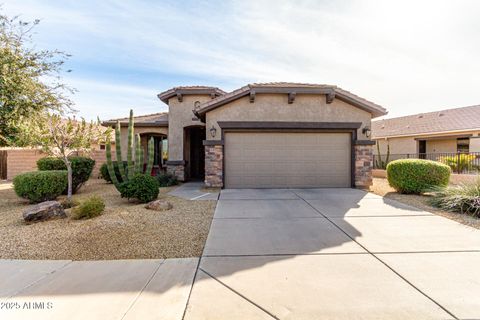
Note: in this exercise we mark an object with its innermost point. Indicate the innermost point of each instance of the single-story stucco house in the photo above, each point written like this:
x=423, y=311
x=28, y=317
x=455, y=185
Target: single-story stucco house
x=446, y=131
x=263, y=135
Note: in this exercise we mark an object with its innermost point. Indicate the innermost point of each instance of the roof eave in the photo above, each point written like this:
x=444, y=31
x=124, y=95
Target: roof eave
x=165, y=96
x=139, y=124
x=375, y=110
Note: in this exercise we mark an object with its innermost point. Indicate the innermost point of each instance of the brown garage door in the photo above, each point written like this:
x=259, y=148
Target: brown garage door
x=287, y=160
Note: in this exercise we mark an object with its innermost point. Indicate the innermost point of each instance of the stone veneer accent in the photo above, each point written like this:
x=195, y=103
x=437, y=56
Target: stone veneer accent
x=177, y=170
x=214, y=166
x=363, y=166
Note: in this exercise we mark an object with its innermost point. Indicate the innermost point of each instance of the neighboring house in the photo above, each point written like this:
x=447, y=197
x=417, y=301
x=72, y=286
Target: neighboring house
x=263, y=135
x=446, y=131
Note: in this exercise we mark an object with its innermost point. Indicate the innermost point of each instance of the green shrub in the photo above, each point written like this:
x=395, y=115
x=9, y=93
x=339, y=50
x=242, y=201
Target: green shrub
x=39, y=186
x=460, y=162
x=142, y=187
x=82, y=168
x=166, y=179
x=106, y=176
x=416, y=175
x=462, y=198
x=89, y=208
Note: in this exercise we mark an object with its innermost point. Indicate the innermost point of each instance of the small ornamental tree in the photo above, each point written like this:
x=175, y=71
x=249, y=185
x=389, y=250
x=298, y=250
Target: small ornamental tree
x=61, y=138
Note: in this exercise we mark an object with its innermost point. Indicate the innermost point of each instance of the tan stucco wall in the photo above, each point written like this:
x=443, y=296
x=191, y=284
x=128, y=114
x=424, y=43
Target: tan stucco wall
x=137, y=130
x=179, y=116
x=275, y=107
x=21, y=160
x=447, y=145
x=397, y=145
x=475, y=144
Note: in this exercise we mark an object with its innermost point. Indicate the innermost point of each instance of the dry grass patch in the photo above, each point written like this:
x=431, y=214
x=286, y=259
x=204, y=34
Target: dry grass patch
x=124, y=230
x=381, y=187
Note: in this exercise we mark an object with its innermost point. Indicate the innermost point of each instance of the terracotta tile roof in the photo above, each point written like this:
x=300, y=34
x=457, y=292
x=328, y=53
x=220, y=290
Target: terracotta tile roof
x=160, y=118
x=439, y=121
x=165, y=95
x=375, y=109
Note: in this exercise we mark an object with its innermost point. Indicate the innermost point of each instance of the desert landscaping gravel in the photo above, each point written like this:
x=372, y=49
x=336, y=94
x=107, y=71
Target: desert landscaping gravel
x=381, y=187
x=124, y=231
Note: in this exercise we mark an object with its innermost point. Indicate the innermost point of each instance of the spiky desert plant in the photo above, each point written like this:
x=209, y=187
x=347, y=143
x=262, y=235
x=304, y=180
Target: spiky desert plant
x=130, y=147
x=137, y=154
x=118, y=148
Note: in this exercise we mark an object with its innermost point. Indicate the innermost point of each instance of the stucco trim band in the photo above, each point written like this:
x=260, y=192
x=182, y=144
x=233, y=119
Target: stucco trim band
x=287, y=125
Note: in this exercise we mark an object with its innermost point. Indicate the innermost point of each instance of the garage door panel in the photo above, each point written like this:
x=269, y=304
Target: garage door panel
x=287, y=159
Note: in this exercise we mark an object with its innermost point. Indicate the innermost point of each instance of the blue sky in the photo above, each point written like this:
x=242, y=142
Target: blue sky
x=408, y=56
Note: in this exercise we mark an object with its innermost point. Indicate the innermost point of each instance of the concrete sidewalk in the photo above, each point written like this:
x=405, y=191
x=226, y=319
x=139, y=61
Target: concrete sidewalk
x=122, y=289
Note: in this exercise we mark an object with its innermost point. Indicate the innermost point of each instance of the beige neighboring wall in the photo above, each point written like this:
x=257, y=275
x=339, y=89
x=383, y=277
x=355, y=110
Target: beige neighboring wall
x=275, y=107
x=180, y=115
x=20, y=160
x=475, y=144
x=137, y=130
x=447, y=145
x=397, y=145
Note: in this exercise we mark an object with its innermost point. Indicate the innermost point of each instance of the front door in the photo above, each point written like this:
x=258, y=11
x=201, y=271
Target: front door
x=196, y=159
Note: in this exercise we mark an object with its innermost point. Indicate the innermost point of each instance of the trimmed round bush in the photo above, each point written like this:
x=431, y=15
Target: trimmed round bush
x=39, y=186
x=142, y=187
x=417, y=175
x=82, y=168
x=89, y=208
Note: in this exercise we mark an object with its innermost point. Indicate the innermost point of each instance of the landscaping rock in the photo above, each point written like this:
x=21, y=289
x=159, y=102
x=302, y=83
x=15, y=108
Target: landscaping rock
x=44, y=211
x=159, y=205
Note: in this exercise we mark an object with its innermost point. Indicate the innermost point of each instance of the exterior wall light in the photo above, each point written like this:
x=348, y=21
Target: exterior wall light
x=213, y=131
x=367, y=131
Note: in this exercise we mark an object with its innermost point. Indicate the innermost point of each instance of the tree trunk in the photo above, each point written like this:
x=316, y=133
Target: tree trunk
x=70, y=179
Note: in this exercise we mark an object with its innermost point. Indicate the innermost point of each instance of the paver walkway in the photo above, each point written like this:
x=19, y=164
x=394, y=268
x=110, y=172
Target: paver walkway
x=193, y=191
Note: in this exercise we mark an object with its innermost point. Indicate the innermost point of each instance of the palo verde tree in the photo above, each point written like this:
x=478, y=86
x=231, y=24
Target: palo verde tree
x=61, y=138
x=30, y=82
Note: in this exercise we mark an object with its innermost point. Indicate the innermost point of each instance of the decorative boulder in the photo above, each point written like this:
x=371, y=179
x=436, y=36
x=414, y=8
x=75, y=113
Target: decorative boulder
x=159, y=205
x=44, y=211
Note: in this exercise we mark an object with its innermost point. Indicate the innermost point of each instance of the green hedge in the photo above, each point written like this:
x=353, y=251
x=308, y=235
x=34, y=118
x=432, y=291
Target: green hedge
x=39, y=186
x=416, y=175
x=82, y=168
x=142, y=187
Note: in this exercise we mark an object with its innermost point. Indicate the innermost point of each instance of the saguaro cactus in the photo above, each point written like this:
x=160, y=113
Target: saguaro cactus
x=136, y=154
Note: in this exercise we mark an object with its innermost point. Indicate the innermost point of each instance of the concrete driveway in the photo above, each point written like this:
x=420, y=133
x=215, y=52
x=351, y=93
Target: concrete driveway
x=333, y=254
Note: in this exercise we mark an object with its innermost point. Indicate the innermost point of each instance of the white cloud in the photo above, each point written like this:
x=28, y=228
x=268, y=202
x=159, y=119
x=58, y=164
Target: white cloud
x=410, y=56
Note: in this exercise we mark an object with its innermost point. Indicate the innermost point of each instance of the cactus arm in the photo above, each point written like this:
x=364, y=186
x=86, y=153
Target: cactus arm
x=142, y=159
x=130, y=146
x=138, y=151
x=388, y=152
x=151, y=150
x=118, y=148
x=111, y=169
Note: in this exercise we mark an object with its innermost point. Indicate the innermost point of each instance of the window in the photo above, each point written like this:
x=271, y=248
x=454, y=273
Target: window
x=463, y=145
x=102, y=147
